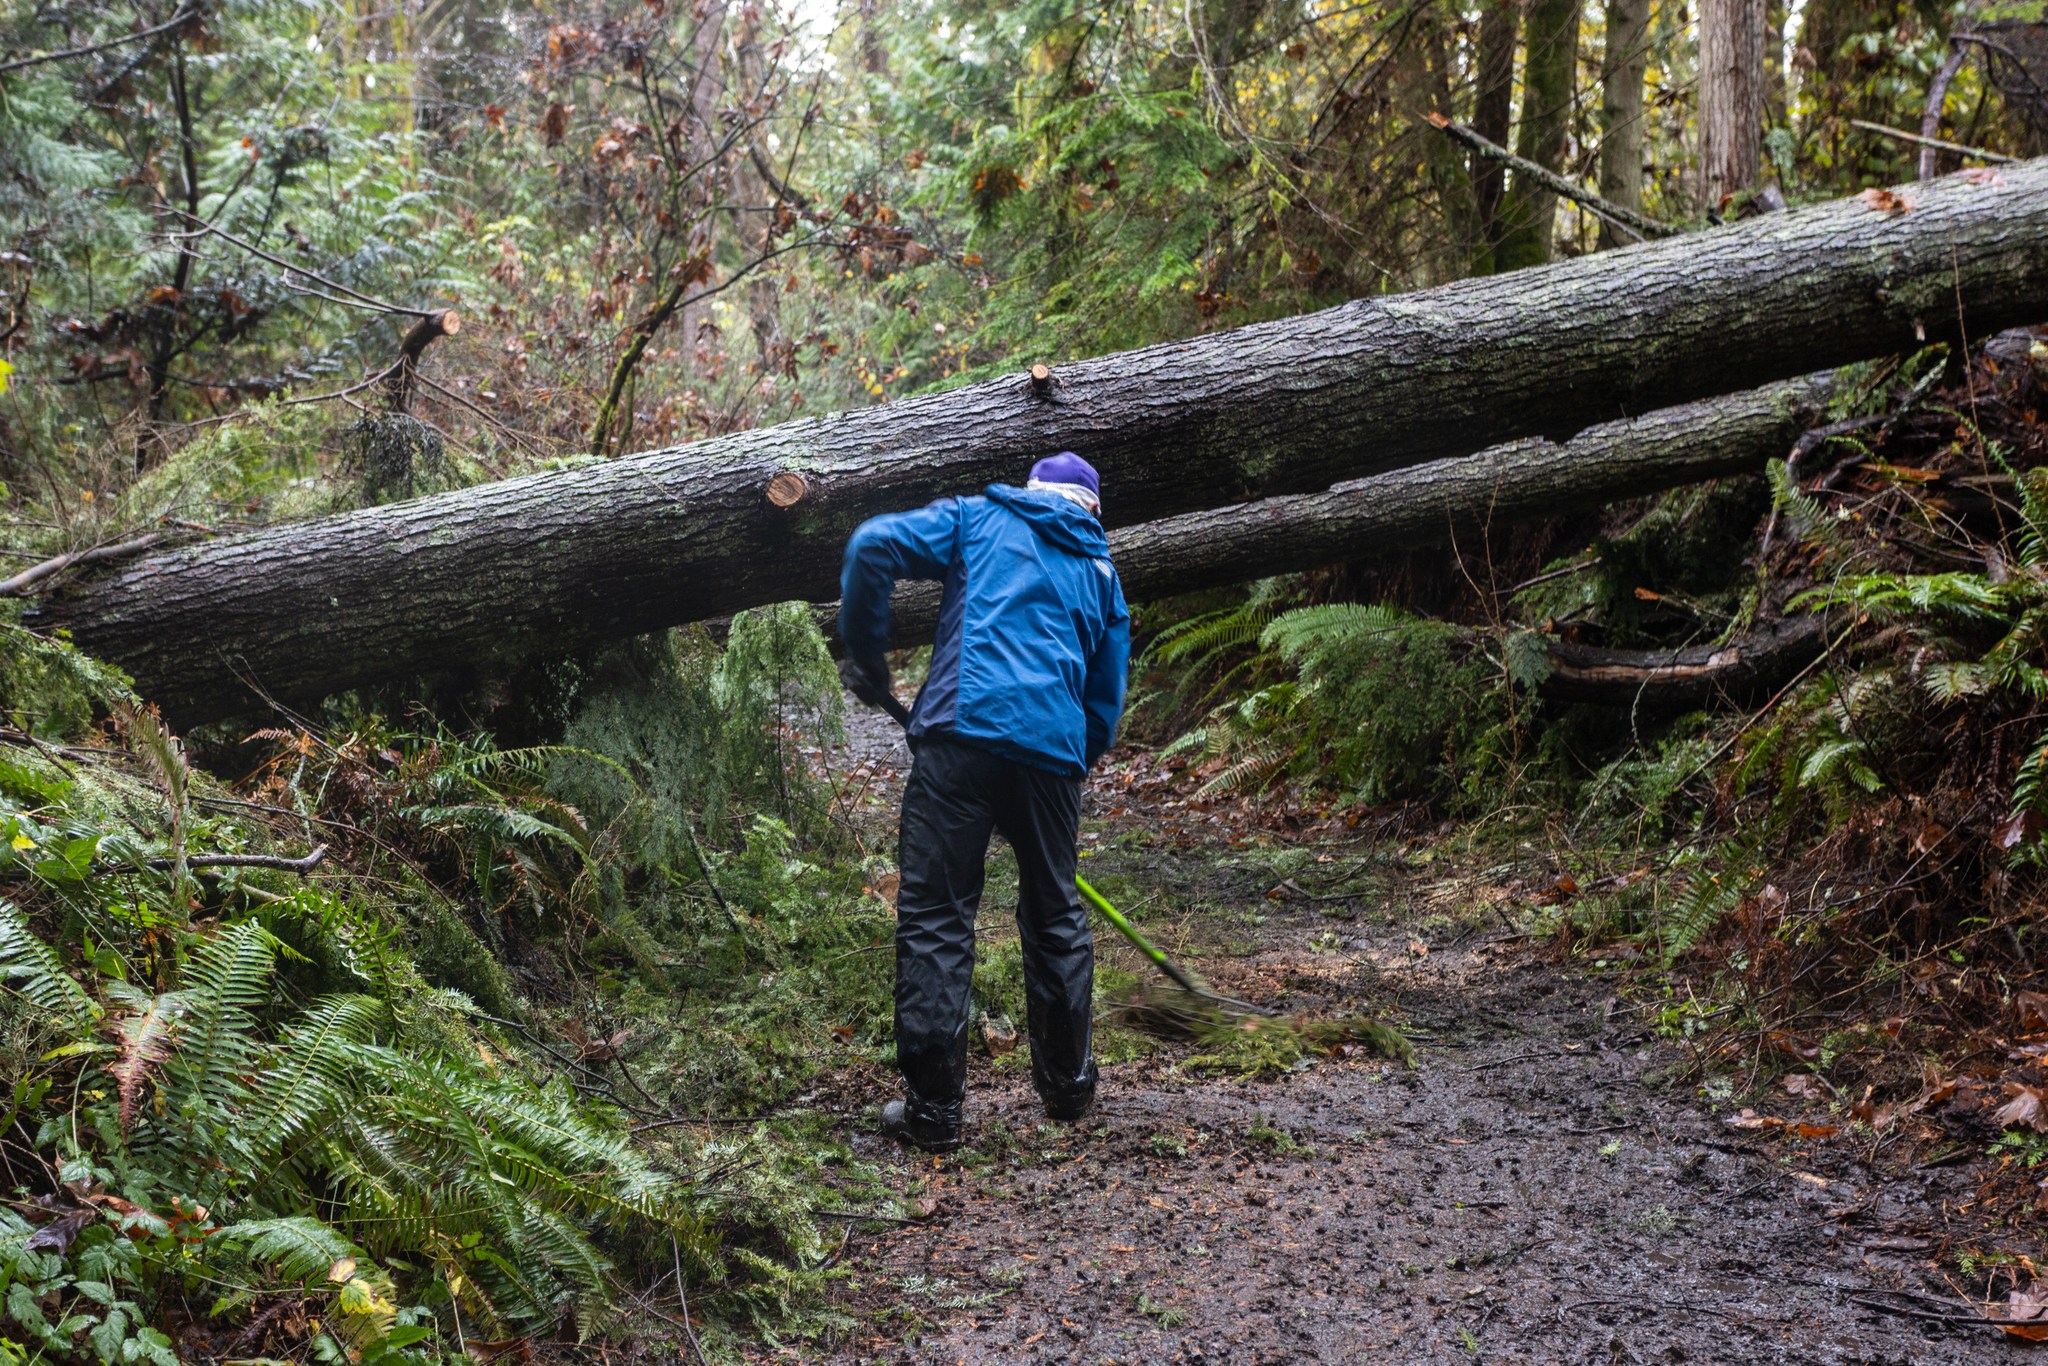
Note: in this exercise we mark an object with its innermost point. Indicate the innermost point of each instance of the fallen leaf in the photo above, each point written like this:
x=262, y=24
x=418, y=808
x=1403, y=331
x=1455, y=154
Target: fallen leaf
x=342, y=1270
x=1886, y=201
x=2023, y=1313
x=60, y=1233
x=1908, y=474
x=2032, y=1008
x=2028, y=1105
x=1798, y=1048
x=843, y=1033
x=1987, y=176
x=2021, y=829
x=1805, y=1086
x=1750, y=1119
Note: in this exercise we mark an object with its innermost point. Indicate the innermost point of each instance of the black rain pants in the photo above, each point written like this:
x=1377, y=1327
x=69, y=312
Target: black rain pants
x=956, y=795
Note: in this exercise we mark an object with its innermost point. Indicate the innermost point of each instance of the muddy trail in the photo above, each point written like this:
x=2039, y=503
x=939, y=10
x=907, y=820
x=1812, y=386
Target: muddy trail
x=1548, y=1183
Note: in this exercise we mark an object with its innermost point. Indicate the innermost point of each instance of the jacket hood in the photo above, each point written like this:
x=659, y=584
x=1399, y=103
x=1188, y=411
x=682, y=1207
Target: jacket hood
x=1055, y=518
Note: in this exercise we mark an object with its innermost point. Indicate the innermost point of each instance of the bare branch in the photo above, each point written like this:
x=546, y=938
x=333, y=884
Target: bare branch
x=28, y=578
x=1637, y=225
x=360, y=300
x=185, y=15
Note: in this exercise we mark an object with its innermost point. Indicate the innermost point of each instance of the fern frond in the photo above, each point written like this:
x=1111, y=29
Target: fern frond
x=313, y=1073
x=163, y=754
x=298, y=1248
x=32, y=966
x=1837, y=759
x=1331, y=626
x=146, y=1038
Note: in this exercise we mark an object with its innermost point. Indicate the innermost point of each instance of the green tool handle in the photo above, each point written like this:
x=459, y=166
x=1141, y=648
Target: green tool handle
x=1130, y=932
x=1115, y=917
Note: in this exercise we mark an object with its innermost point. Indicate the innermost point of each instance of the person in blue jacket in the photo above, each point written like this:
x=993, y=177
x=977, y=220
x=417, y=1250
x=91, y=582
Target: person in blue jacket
x=1025, y=689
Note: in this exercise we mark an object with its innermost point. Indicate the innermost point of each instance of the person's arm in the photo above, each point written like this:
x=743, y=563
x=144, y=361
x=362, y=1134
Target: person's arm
x=1102, y=695
x=902, y=545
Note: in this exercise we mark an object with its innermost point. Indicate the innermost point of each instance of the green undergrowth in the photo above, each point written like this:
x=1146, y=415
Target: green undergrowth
x=523, y=1047
x=1767, y=872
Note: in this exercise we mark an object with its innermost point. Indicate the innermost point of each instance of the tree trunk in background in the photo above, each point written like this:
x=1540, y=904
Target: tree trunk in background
x=1731, y=98
x=1621, y=110
x=1549, y=76
x=1461, y=499
x=1492, y=113
x=550, y=562
x=1468, y=250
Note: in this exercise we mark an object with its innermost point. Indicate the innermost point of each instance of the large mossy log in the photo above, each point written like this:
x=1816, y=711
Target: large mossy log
x=559, y=560
x=1456, y=501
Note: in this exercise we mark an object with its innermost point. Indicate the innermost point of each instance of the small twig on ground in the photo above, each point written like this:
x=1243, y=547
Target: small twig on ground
x=704, y=867
x=864, y=1216
x=683, y=1301
x=1869, y=1301
x=1518, y=1057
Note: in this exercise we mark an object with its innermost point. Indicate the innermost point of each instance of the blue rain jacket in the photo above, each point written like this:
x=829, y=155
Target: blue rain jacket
x=1033, y=639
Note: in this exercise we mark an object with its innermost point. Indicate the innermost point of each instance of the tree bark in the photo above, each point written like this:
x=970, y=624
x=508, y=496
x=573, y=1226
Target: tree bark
x=1550, y=68
x=1493, y=111
x=1731, y=98
x=554, y=561
x=1460, y=500
x=1621, y=109
x=1744, y=671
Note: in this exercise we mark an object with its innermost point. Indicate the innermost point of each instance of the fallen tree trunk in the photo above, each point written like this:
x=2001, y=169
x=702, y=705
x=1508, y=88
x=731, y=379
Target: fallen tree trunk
x=1453, y=500
x=1744, y=671
x=555, y=561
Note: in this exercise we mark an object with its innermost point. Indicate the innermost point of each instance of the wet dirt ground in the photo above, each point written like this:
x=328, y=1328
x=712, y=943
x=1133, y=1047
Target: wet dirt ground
x=1548, y=1182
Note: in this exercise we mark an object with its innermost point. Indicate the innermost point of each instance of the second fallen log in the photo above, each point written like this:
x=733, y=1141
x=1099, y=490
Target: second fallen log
x=1446, y=501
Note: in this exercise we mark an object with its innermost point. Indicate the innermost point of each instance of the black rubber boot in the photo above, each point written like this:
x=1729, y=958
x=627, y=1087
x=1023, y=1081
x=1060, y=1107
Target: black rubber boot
x=901, y=1124
x=1066, y=1103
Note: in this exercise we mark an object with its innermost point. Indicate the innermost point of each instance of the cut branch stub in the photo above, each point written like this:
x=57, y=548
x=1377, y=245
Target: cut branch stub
x=399, y=378
x=1041, y=380
x=787, y=489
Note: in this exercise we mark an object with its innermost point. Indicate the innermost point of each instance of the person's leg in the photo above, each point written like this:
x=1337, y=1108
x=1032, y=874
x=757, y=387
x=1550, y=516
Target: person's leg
x=1040, y=815
x=942, y=846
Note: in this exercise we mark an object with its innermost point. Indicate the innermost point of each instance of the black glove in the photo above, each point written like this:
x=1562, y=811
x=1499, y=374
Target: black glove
x=868, y=680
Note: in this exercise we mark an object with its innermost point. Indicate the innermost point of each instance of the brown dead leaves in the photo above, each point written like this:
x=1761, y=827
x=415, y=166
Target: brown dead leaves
x=2025, y=1312
x=1886, y=201
x=2025, y=1106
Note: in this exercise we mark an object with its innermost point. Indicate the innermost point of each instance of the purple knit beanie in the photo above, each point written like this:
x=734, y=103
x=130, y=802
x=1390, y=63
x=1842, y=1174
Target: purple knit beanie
x=1067, y=468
